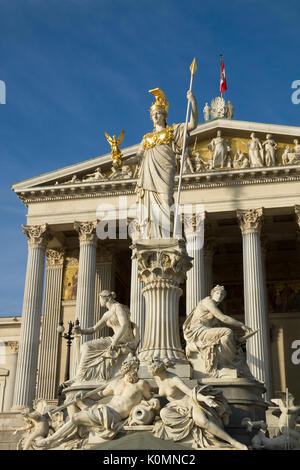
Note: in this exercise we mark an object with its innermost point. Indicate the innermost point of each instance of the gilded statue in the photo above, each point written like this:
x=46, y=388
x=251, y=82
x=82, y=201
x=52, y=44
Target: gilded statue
x=156, y=157
x=115, y=143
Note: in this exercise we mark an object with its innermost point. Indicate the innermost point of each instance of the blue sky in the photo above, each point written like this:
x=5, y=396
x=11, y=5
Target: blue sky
x=74, y=69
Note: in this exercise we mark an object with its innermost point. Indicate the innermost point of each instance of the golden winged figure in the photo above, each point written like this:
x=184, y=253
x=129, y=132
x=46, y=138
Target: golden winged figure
x=115, y=143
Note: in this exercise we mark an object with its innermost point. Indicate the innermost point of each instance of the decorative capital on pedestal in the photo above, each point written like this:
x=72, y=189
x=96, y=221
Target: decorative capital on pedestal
x=37, y=234
x=297, y=212
x=194, y=223
x=162, y=262
x=250, y=220
x=86, y=231
x=55, y=257
x=13, y=346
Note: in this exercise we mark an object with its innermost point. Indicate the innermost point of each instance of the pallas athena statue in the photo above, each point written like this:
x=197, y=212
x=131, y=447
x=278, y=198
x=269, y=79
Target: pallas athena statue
x=156, y=157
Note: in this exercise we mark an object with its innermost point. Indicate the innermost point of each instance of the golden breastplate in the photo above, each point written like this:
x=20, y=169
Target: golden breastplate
x=158, y=138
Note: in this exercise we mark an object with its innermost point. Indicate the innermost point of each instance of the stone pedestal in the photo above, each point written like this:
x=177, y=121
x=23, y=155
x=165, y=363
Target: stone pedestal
x=245, y=397
x=162, y=266
x=9, y=422
x=31, y=316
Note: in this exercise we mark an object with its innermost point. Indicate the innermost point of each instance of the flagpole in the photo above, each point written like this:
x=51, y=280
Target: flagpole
x=193, y=69
x=221, y=58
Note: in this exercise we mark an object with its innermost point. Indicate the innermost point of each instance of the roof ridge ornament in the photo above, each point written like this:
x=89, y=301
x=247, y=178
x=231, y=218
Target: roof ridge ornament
x=218, y=109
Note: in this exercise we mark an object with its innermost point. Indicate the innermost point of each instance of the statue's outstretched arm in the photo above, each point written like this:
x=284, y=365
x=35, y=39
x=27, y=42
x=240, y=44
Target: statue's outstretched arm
x=194, y=114
x=182, y=387
x=217, y=313
x=89, y=331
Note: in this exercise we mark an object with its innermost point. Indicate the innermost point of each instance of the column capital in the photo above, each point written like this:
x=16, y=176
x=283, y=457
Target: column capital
x=165, y=263
x=250, y=220
x=37, y=234
x=297, y=212
x=86, y=231
x=13, y=346
x=55, y=257
x=194, y=223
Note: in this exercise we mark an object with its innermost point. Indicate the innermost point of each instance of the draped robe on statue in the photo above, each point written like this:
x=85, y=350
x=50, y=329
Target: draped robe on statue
x=155, y=186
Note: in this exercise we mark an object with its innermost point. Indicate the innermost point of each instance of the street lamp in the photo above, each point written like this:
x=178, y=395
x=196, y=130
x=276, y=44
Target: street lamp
x=69, y=338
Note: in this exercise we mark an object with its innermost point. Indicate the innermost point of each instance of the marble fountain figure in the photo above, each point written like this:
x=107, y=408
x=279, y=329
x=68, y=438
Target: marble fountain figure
x=100, y=357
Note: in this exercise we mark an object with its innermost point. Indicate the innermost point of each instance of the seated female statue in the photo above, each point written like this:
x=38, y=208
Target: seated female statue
x=98, y=356
x=210, y=337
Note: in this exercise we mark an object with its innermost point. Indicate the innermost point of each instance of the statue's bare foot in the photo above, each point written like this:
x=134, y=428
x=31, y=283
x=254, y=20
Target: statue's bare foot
x=239, y=445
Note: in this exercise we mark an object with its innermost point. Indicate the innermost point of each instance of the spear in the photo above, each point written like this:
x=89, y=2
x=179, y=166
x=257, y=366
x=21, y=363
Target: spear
x=193, y=69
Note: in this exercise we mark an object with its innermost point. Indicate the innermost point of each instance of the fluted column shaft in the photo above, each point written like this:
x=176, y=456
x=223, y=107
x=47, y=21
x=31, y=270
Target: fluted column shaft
x=10, y=387
x=137, y=301
x=254, y=295
x=31, y=316
x=161, y=339
x=105, y=280
x=48, y=356
x=195, y=283
x=86, y=281
x=162, y=267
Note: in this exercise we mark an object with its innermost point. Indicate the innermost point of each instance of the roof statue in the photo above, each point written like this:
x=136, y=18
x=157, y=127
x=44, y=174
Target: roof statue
x=115, y=143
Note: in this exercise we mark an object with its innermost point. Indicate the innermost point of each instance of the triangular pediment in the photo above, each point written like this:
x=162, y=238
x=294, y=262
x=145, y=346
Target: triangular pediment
x=99, y=171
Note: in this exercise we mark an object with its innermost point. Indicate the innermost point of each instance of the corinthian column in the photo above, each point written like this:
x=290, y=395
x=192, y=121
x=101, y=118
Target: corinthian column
x=86, y=279
x=254, y=294
x=162, y=266
x=31, y=316
x=195, y=283
x=105, y=280
x=9, y=390
x=47, y=365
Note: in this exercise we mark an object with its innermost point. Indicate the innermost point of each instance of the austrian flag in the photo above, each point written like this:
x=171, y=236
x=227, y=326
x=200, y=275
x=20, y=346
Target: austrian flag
x=223, y=85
